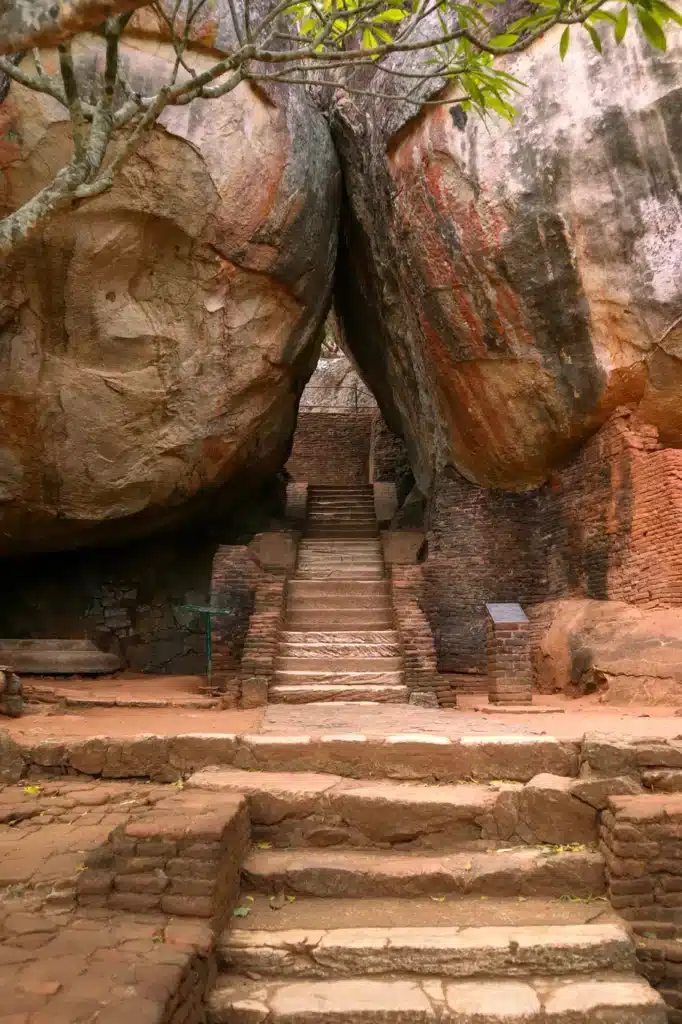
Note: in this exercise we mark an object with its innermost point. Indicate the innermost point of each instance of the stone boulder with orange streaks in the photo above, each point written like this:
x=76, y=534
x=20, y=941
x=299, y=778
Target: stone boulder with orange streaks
x=504, y=287
x=154, y=342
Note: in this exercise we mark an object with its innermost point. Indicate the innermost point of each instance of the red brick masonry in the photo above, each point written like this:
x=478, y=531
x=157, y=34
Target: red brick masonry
x=510, y=679
x=182, y=858
x=641, y=839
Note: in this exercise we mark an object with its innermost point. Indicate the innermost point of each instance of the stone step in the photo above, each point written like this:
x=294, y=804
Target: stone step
x=358, y=636
x=309, y=809
x=330, y=649
x=332, y=677
x=316, y=489
x=343, y=619
x=46, y=658
x=315, y=693
x=340, y=663
x=338, y=573
x=453, y=911
x=370, y=544
x=530, y=871
x=609, y=999
x=341, y=515
x=341, y=506
x=340, y=532
x=340, y=602
x=347, y=588
x=351, y=561
x=451, y=952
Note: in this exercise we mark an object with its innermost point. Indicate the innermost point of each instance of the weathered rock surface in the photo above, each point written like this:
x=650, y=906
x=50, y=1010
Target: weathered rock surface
x=504, y=287
x=11, y=693
x=628, y=654
x=155, y=341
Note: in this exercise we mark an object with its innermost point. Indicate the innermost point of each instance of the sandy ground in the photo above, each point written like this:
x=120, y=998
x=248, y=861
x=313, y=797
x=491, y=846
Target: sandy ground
x=566, y=719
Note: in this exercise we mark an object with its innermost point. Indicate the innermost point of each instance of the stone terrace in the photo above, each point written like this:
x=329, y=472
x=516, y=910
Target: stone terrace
x=445, y=872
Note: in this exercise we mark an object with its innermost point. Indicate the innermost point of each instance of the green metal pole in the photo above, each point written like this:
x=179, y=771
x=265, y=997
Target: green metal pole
x=209, y=649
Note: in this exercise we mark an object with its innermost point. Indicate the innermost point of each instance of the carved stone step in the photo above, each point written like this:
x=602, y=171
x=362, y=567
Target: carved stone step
x=528, y=871
x=413, y=1000
x=504, y=951
x=350, y=692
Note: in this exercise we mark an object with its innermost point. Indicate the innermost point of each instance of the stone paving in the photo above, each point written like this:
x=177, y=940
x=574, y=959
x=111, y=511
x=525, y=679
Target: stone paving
x=59, y=966
x=51, y=827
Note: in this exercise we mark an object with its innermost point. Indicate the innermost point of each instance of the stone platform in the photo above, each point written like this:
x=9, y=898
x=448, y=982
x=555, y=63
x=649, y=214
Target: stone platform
x=471, y=838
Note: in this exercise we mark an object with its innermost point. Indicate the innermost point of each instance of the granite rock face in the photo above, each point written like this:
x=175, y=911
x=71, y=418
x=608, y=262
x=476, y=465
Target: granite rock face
x=504, y=287
x=155, y=342
x=628, y=655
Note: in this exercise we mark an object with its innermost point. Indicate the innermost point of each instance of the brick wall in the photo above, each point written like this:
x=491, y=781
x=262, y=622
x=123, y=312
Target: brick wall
x=481, y=548
x=413, y=628
x=183, y=857
x=332, y=448
x=615, y=513
x=389, y=461
x=234, y=579
x=607, y=526
x=641, y=839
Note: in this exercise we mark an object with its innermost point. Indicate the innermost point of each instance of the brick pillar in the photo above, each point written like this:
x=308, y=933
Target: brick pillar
x=510, y=679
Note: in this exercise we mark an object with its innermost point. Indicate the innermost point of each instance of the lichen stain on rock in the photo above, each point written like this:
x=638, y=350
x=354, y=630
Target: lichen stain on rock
x=533, y=266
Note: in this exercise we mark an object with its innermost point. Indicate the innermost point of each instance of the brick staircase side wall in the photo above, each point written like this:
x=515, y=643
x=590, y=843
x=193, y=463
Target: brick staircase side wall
x=416, y=640
x=641, y=839
x=260, y=649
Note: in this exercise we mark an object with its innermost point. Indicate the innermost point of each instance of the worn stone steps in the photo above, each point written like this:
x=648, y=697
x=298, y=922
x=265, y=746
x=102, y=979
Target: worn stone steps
x=526, y=871
x=345, y=588
x=451, y=952
x=311, y=809
x=330, y=649
x=342, y=619
x=342, y=531
x=330, y=676
x=353, y=636
x=339, y=573
x=340, y=663
x=318, y=692
x=609, y=999
x=338, y=602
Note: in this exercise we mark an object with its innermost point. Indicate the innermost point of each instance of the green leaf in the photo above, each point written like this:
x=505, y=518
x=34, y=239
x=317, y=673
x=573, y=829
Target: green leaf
x=506, y=40
x=652, y=30
x=666, y=13
x=601, y=16
x=505, y=110
x=393, y=15
x=382, y=34
x=565, y=40
x=594, y=36
x=241, y=911
x=621, y=24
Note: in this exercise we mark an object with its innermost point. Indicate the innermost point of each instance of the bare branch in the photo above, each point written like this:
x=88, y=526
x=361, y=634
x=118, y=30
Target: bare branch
x=73, y=99
x=47, y=85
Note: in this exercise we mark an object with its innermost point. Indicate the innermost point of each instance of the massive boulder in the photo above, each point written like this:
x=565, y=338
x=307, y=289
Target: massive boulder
x=626, y=654
x=155, y=341
x=504, y=287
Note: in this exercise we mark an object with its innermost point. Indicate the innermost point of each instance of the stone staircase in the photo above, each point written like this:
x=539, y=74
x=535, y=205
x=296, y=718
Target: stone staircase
x=339, y=641
x=399, y=903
